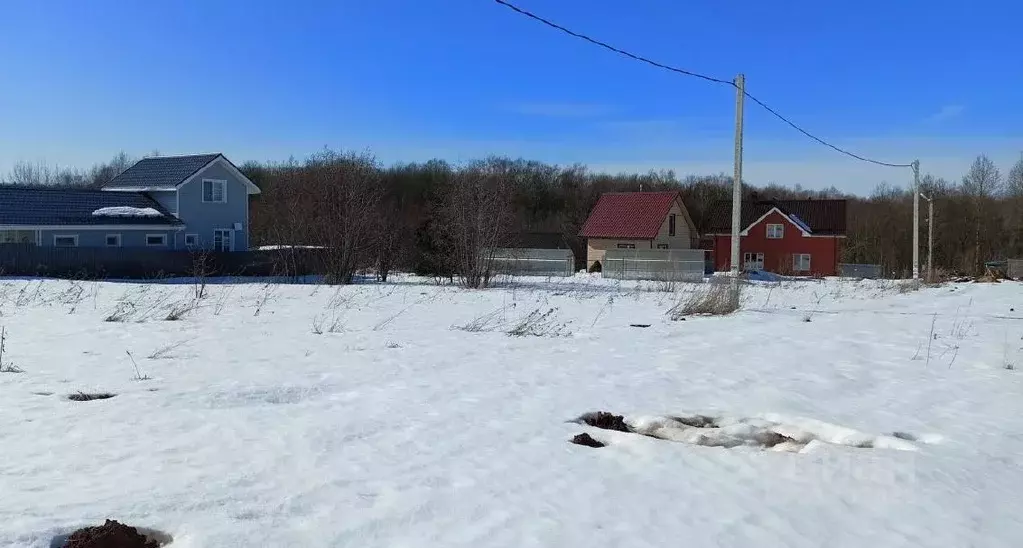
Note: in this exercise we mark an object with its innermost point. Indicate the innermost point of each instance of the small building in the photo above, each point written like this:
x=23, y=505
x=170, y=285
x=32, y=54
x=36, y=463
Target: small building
x=791, y=237
x=169, y=203
x=637, y=220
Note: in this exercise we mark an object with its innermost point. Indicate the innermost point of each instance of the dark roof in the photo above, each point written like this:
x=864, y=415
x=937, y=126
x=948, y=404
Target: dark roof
x=629, y=215
x=161, y=171
x=824, y=217
x=46, y=206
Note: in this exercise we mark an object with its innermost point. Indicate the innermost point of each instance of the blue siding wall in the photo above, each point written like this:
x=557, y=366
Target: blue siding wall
x=98, y=238
x=201, y=218
x=169, y=200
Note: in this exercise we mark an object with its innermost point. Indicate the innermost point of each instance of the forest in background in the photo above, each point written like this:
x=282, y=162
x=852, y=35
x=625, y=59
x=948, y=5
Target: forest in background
x=433, y=217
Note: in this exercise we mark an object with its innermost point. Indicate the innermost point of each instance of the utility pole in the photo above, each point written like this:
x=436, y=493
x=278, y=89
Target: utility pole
x=740, y=97
x=916, y=219
x=930, y=236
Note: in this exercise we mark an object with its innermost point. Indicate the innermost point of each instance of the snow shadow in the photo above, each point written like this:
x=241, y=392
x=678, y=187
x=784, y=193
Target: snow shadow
x=768, y=432
x=277, y=395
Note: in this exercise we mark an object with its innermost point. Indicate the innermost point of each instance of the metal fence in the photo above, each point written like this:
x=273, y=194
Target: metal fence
x=123, y=262
x=654, y=264
x=869, y=271
x=1014, y=269
x=534, y=262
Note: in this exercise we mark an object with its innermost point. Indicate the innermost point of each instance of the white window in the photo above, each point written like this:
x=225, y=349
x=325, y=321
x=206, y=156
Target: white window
x=191, y=241
x=801, y=262
x=214, y=191
x=671, y=225
x=753, y=261
x=65, y=240
x=113, y=240
x=626, y=246
x=156, y=240
x=775, y=232
x=662, y=246
x=223, y=239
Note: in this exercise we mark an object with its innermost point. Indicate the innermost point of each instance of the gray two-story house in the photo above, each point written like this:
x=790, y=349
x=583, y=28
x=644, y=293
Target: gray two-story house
x=171, y=202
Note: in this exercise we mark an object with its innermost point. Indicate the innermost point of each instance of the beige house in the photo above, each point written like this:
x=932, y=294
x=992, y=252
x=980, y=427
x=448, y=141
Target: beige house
x=637, y=220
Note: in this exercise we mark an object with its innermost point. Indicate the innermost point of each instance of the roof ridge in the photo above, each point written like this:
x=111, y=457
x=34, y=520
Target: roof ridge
x=172, y=156
x=621, y=192
x=50, y=189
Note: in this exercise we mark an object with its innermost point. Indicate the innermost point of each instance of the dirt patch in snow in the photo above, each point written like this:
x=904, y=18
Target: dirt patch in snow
x=606, y=421
x=112, y=534
x=83, y=396
x=769, y=432
x=585, y=439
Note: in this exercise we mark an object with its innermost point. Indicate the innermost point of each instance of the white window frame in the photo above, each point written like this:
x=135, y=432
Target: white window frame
x=780, y=229
x=662, y=246
x=672, y=225
x=214, y=184
x=106, y=240
x=163, y=240
x=797, y=259
x=227, y=233
x=74, y=238
x=753, y=257
x=194, y=243
x=626, y=246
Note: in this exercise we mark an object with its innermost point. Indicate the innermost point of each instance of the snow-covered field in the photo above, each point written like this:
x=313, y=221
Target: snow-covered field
x=307, y=415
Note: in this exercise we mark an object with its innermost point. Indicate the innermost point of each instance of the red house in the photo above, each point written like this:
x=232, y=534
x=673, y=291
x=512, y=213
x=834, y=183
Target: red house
x=800, y=237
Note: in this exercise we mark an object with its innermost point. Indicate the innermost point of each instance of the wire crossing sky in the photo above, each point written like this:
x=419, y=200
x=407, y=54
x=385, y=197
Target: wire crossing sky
x=696, y=75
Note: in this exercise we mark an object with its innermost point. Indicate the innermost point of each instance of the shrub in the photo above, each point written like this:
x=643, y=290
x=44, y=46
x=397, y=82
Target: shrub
x=715, y=299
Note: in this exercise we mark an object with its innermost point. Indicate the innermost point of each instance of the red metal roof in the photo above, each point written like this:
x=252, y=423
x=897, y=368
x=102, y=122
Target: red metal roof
x=629, y=215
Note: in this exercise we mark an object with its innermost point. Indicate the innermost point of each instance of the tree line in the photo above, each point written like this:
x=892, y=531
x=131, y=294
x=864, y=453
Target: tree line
x=440, y=219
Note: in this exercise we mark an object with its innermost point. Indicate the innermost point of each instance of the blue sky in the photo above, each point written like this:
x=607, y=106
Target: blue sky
x=414, y=79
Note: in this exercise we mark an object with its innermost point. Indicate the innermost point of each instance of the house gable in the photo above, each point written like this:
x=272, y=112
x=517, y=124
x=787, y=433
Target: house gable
x=204, y=217
x=225, y=164
x=773, y=214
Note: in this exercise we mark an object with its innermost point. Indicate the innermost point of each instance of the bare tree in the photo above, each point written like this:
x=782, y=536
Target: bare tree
x=1013, y=211
x=343, y=214
x=982, y=183
x=477, y=216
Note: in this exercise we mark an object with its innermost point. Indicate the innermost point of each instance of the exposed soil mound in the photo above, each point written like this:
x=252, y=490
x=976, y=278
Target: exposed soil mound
x=585, y=439
x=82, y=396
x=111, y=534
x=607, y=421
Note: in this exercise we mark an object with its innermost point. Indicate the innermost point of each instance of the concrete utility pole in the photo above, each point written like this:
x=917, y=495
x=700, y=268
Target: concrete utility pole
x=930, y=236
x=740, y=97
x=916, y=219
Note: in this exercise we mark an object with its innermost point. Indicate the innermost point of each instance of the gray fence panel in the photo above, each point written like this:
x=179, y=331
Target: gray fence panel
x=654, y=264
x=869, y=271
x=534, y=262
x=1014, y=269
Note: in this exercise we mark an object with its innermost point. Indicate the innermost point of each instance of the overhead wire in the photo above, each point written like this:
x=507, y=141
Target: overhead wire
x=678, y=70
x=605, y=45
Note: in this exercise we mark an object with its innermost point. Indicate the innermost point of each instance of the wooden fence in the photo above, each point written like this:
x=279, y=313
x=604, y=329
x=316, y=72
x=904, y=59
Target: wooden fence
x=113, y=262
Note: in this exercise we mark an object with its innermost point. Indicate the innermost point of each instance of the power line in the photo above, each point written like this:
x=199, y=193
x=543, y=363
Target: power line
x=670, y=68
x=818, y=139
x=609, y=46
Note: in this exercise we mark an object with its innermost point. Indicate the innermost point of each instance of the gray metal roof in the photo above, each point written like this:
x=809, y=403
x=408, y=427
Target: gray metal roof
x=24, y=206
x=161, y=172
